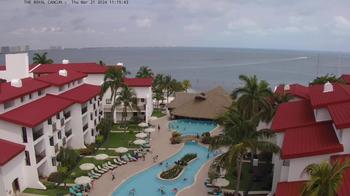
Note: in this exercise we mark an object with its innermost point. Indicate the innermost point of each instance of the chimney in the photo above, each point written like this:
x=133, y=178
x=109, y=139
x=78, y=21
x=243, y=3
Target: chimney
x=120, y=64
x=65, y=61
x=286, y=87
x=327, y=87
x=16, y=83
x=63, y=73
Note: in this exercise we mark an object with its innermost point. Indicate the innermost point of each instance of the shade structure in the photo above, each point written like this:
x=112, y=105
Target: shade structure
x=141, y=135
x=143, y=124
x=139, y=142
x=121, y=150
x=101, y=157
x=87, y=166
x=221, y=182
x=150, y=130
x=82, y=180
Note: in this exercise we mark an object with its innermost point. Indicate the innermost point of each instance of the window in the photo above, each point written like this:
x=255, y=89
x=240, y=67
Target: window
x=58, y=116
x=54, y=161
x=68, y=85
x=92, y=132
x=9, y=104
x=80, y=81
x=142, y=100
x=30, y=96
x=40, y=92
x=91, y=117
x=134, y=113
x=108, y=101
x=59, y=135
x=24, y=135
x=52, y=141
x=22, y=99
x=286, y=163
x=90, y=101
x=26, y=153
x=49, y=121
x=61, y=88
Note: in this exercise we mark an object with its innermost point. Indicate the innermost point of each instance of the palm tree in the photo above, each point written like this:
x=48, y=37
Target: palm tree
x=145, y=72
x=158, y=86
x=186, y=84
x=126, y=98
x=41, y=59
x=254, y=98
x=327, y=78
x=325, y=178
x=240, y=136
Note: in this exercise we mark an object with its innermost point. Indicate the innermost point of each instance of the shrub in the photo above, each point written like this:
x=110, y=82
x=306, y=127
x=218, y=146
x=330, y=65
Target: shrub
x=99, y=139
x=68, y=157
x=56, y=177
x=176, y=134
x=85, y=151
x=172, y=173
x=206, y=138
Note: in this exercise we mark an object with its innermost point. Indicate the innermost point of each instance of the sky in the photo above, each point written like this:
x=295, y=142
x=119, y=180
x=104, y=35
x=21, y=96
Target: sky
x=275, y=24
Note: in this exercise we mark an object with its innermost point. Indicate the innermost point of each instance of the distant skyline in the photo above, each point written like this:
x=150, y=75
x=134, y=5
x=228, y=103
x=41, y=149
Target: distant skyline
x=270, y=24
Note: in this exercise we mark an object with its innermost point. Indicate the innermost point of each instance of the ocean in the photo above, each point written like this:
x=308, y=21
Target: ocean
x=210, y=67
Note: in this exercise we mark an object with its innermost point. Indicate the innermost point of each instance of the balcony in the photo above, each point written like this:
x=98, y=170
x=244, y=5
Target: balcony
x=62, y=122
x=54, y=127
x=56, y=148
x=84, y=110
x=64, y=141
x=66, y=115
x=68, y=133
x=85, y=127
x=40, y=156
x=37, y=133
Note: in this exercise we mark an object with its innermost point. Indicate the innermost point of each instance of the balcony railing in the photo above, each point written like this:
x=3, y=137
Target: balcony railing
x=66, y=115
x=40, y=156
x=37, y=133
x=68, y=133
x=85, y=127
x=83, y=110
x=56, y=148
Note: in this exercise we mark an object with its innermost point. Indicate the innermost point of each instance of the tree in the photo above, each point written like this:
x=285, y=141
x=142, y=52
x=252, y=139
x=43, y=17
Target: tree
x=254, y=98
x=68, y=157
x=186, y=84
x=126, y=98
x=158, y=87
x=240, y=136
x=144, y=72
x=105, y=126
x=325, y=178
x=327, y=78
x=41, y=59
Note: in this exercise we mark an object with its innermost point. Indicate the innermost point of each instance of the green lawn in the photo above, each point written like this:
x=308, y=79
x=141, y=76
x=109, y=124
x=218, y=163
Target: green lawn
x=263, y=183
x=116, y=140
x=107, y=152
x=158, y=113
x=130, y=127
x=50, y=192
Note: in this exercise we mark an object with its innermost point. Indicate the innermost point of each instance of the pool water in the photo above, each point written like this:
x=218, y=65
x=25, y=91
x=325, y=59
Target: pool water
x=147, y=183
x=192, y=127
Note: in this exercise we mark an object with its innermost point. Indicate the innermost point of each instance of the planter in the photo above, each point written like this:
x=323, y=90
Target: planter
x=179, y=175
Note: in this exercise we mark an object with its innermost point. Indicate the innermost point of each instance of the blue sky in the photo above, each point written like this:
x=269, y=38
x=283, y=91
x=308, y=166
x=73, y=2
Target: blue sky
x=279, y=24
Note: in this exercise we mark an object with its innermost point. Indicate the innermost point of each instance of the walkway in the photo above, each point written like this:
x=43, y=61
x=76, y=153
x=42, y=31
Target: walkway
x=159, y=146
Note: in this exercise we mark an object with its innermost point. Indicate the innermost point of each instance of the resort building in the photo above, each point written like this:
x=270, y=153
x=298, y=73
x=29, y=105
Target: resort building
x=37, y=118
x=312, y=128
x=209, y=105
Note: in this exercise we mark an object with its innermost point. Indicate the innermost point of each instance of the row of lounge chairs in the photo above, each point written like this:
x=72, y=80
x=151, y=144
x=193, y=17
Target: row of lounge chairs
x=78, y=190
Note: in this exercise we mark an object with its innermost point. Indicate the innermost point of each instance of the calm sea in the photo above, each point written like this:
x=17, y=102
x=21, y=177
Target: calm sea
x=209, y=67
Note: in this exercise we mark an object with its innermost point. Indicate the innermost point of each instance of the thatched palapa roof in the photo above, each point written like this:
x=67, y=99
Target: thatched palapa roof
x=209, y=105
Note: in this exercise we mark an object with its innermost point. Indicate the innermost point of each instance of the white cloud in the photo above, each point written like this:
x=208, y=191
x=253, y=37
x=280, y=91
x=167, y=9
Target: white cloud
x=242, y=24
x=144, y=22
x=193, y=28
x=341, y=22
x=120, y=30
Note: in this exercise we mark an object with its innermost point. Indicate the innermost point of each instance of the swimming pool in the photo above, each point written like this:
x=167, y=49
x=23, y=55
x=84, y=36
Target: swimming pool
x=147, y=183
x=192, y=127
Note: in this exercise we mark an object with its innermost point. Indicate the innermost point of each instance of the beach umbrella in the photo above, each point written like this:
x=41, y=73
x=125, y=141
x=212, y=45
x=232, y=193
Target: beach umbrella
x=87, y=166
x=101, y=157
x=143, y=124
x=221, y=182
x=121, y=150
x=141, y=135
x=150, y=130
x=139, y=142
x=82, y=180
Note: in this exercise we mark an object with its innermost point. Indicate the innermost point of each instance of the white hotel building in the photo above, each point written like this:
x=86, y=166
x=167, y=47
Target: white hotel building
x=59, y=107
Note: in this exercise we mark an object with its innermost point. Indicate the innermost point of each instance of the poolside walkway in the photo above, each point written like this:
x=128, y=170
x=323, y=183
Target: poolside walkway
x=160, y=145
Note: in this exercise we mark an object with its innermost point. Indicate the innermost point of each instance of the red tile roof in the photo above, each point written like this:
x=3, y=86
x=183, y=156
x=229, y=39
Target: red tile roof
x=88, y=68
x=319, y=99
x=9, y=150
x=289, y=188
x=82, y=94
x=340, y=114
x=296, y=90
x=58, y=80
x=346, y=78
x=29, y=85
x=2, y=67
x=293, y=114
x=138, y=82
x=34, y=113
x=316, y=139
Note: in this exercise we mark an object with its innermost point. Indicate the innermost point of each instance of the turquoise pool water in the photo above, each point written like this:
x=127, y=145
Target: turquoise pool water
x=147, y=183
x=192, y=127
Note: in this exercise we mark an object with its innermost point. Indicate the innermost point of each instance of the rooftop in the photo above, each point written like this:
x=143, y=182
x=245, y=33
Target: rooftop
x=293, y=114
x=82, y=93
x=9, y=150
x=58, y=80
x=320, y=99
x=36, y=112
x=29, y=85
x=346, y=78
x=138, y=82
x=87, y=68
x=316, y=139
x=289, y=188
x=340, y=113
x=296, y=90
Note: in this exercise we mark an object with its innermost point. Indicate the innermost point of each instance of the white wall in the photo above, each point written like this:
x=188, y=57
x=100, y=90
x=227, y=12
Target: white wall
x=322, y=114
x=94, y=79
x=9, y=172
x=16, y=66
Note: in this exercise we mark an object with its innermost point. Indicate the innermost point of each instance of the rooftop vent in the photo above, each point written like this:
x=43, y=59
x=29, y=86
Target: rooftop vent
x=286, y=87
x=120, y=64
x=63, y=72
x=16, y=83
x=327, y=87
x=65, y=61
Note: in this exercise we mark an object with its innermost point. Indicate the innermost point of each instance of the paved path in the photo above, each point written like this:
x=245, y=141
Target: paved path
x=160, y=145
